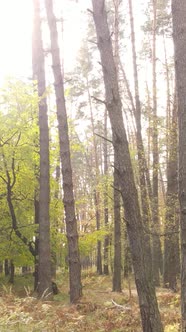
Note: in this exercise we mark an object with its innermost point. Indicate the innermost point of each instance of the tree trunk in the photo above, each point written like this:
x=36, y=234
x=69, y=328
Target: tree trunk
x=106, y=240
x=97, y=176
x=68, y=199
x=146, y=291
x=179, y=36
x=146, y=213
x=36, y=258
x=44, y=267
x=171, y=242
x=116, y=282
x=12, y=272
x=99, y=256
x=156, y=244
x=6, y=268
x=116, y=285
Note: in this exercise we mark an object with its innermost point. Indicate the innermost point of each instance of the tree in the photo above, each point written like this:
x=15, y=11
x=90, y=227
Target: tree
x=144, y=282
x=157, y=255
x=179, y=37
x=146, y=213
x=171, y=241
x=116, y=283
x=68, y=199
x=44, y=267
x=18, y=159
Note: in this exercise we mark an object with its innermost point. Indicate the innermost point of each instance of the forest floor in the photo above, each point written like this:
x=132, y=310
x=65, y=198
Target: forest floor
x=99, y=309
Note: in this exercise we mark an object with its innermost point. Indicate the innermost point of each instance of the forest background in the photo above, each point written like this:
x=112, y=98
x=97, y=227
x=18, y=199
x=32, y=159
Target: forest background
x=117, y=203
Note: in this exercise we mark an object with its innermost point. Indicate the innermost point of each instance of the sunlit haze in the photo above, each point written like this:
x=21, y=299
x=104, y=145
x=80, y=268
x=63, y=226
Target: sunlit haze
x=16, y=35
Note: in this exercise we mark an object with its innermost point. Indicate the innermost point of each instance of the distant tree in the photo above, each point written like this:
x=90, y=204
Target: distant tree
x=171, y=242
x=156, y=244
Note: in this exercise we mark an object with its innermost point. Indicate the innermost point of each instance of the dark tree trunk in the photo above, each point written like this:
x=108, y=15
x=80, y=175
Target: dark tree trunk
x=68, y=199
x=150, y=316
x=6, y=267
x=12, y=272
x=44, y=268
x=179, y=36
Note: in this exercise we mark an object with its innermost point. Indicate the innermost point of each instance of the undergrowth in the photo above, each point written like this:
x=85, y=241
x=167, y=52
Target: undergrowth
x=99, y=309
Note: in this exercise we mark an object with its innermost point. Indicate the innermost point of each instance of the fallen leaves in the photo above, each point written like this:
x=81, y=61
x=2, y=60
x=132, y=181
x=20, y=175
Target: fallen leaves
x=99, y=310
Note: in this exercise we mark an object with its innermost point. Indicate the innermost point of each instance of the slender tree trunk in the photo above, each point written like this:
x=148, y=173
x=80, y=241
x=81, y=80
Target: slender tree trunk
x=156, y=244
x=116, y=285
x=12, y=272
x=140, y=147
x=146, y=291
x=106, y=240
x=171, y=242
x=179, y=36
x=99, y=256
x=6, y=267
x=68, y=199
x=57, y=196
x=116, y=282
x=36, y=258
x=44, y=266
x=97, y=176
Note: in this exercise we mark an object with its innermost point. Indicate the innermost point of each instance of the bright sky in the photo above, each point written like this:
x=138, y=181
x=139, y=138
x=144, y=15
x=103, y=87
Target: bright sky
x=16, y=34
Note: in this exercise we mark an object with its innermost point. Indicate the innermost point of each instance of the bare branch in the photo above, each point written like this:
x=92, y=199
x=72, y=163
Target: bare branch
x=90, y=11
x=98, y=100
x=106, y=139
x=121, y=307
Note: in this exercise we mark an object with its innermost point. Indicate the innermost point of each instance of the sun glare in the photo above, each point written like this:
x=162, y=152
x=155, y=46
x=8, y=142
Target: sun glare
x=15, y=37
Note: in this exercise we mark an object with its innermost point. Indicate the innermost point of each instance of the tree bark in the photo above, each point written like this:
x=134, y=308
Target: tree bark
x=146, y=213
x=44, y=266
x=106, y=216
x=116, y=282
x=156, y=244
x=68, y=199
x=179, y=36
x=146, y=291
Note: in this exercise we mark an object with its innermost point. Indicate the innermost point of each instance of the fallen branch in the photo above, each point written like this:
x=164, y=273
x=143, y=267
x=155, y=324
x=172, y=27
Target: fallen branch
x=121, y=307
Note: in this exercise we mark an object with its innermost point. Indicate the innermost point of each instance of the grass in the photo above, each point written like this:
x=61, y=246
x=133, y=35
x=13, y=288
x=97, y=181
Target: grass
x=99, y=309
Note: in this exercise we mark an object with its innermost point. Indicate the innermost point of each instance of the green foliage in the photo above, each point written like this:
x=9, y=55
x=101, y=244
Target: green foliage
x=19, y=163
x=88, y=242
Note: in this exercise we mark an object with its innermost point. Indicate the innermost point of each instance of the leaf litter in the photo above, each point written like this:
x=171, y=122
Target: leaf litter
x=99, y=310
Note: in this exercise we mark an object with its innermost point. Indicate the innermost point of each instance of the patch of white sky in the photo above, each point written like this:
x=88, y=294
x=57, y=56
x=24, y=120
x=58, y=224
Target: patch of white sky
x=15, y=37
x=144, y=62
x=16, y=17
